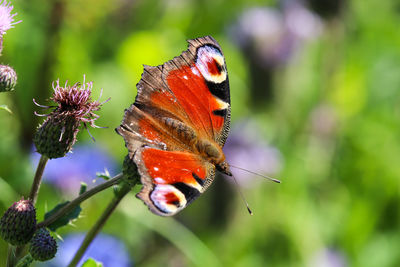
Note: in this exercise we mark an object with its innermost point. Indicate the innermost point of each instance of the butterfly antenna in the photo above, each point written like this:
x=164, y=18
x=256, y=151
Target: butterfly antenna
x=242, y=196
x=264, y=176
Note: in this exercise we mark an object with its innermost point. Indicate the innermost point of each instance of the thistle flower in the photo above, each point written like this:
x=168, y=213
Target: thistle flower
x=56, y=136
x=43, y=246
x=6, y=18
x=8, y=78
x=18, y=223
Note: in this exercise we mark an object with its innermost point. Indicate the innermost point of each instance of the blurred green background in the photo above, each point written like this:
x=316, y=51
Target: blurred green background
x=315, y=102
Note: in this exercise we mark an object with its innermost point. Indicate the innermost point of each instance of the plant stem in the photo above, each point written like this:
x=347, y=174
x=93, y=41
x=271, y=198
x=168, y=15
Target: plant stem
x=99, y=224
x=38, y=179
x=82, y=197
x=10, y=256
x=25, y=261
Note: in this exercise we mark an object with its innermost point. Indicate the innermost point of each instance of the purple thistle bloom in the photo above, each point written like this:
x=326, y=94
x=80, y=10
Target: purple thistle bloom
x=6, y=18
x=104, y=248
x=75, y=101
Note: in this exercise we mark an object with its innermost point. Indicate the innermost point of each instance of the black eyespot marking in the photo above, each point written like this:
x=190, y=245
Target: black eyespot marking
x=208, y=47
x=220, y=90
x=189, y=192
x=175, y=202
x=220, y=67
x=198, y=179
x=220, y=112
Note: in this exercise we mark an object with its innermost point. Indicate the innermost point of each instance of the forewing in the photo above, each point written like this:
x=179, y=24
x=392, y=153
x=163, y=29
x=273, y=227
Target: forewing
x=192, y=88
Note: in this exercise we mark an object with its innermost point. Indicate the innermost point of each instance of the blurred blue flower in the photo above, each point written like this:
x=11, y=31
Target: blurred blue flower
x=246, y=149
x=104, y=248
x=327, y=258
x=81, y=164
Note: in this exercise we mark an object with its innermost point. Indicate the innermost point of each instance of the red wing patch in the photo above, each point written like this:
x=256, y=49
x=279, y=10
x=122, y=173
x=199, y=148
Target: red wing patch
x=170, y=167
x=172, y=179
x=196, y=99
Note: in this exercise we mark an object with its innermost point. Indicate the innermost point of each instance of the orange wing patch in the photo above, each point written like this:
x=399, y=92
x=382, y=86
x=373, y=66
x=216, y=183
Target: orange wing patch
x=171, y=179
x=170, y=167
x=192, y=93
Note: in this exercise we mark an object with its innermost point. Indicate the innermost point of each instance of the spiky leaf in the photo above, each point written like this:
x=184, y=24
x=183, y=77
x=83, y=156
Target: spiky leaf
x=66, y=219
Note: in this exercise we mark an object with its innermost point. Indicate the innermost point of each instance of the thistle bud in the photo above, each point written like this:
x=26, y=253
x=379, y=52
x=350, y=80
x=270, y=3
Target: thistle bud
x=18, y=223
x=43, y=246
x=130, y=171
x=8, y=78
x=56, y=136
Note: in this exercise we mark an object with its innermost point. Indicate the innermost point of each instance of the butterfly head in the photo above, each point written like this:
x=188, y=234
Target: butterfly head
x=224, y=168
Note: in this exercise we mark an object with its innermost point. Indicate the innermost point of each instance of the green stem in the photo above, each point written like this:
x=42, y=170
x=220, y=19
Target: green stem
x=99, y=224
x=37, y=180
x=82, y=197
x=11, y=256
x=25, y=261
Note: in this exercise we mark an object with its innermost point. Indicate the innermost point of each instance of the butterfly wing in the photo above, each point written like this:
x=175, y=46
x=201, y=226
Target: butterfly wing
x=184, y=99
x=171, y=179
x=192, y=88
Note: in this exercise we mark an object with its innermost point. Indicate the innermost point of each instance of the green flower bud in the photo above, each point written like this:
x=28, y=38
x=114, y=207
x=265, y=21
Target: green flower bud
x=8, y=78
x=56, y=136
x=43, y=246
x=18, y=223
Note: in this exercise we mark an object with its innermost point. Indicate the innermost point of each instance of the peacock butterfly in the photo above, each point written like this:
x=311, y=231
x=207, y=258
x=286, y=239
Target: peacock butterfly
x=177, y=126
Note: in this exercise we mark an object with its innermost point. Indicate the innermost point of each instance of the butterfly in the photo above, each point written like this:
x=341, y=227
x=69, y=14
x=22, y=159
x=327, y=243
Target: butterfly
x=177, y=126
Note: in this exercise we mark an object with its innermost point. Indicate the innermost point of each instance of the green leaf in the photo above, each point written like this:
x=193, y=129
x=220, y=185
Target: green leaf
x=66, y=219
x=83, y=188
x=92, y=263
x=25, y=261
x=105, y=175
x=5, y=107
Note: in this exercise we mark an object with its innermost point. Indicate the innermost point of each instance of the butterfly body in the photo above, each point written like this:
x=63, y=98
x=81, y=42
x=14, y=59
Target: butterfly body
x=178, y=125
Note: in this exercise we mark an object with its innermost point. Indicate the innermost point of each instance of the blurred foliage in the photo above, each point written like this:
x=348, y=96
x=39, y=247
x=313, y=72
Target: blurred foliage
x=333, y=113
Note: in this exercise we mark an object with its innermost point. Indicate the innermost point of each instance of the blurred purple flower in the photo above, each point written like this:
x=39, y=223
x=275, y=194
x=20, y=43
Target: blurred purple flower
x=6, y=18
x=81, y=164
x=300, y=21
x=271, y=35
x=327, y=258
x=246, y=149
x=104, y=248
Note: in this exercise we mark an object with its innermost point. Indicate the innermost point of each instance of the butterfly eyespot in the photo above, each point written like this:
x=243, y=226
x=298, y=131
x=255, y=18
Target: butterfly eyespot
x=167, y=198
x=211, y=64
